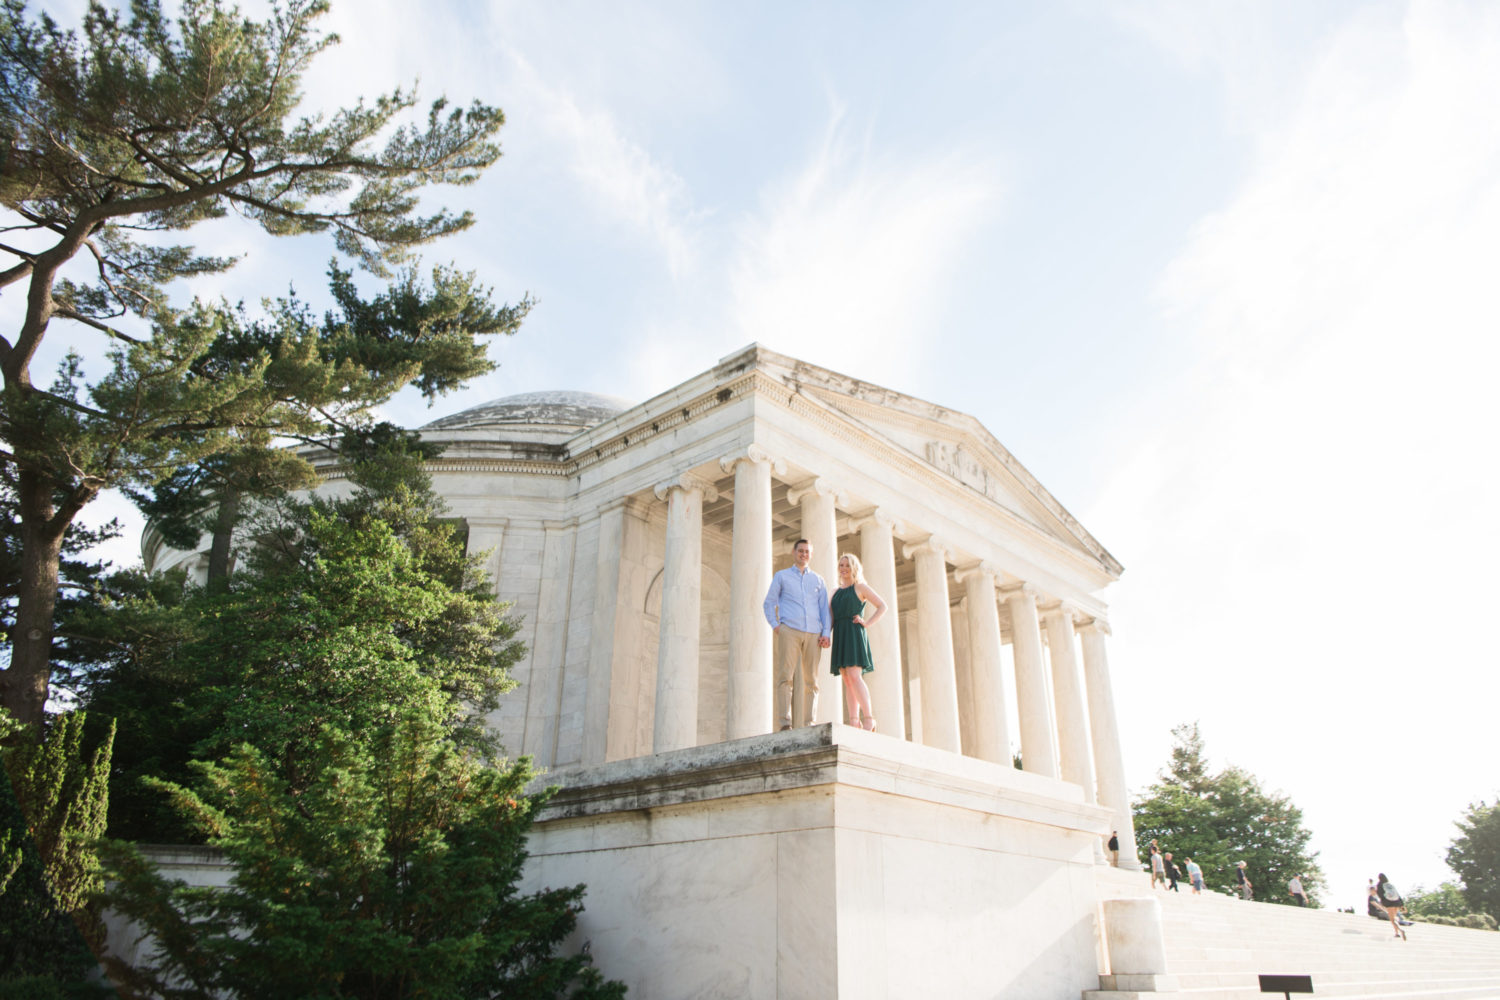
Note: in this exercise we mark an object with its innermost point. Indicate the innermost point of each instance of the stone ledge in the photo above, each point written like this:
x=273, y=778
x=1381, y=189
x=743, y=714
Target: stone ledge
x=1131, y=983
x=813, y=756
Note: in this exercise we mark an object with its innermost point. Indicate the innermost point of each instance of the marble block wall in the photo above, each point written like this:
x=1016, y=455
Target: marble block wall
x=827, y=862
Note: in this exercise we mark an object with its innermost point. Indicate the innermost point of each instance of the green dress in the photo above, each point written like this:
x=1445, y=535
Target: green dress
x=851, y=646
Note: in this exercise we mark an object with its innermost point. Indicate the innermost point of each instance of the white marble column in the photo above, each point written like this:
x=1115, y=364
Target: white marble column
x=487, y=535
x=748, y=707
x=1067, y=695
x=607, y=571
x=991, y=728
x=676, y=716
x=935, y=657
x=819, y=502
x=1037, y=738
x=878, y=553
x=1105, y=728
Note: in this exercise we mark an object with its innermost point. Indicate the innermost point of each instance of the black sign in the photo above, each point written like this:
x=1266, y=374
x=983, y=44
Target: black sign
x=1286, y=984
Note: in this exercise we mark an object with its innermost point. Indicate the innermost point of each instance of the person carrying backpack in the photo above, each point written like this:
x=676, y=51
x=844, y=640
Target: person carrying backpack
x=1391, y=900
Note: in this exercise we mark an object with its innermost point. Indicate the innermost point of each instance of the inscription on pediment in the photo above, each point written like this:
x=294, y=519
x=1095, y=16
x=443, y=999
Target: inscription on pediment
x=965, y=467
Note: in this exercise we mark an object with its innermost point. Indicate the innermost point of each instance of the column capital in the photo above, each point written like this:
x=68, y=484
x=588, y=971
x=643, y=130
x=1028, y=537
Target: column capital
x=753, y=453
x=1096, y=624
x=1019, y=590
x=689, y=483
x=1059, y=609
x=879, y=516
x=989, y=569
x=820, y=487
x=931, y=543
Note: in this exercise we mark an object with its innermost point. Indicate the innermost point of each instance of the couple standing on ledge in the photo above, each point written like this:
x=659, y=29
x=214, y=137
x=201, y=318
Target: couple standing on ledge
x=804, y=619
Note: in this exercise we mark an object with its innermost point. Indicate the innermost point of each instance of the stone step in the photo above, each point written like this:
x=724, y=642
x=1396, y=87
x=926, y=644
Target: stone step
x=1326, y=980
x=1216, y=946
x=1406, y=990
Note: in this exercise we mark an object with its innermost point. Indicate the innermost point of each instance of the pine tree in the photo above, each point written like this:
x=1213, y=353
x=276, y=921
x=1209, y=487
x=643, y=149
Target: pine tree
x=134, y=123
x=388, y=870
x=1221, y=818
x=52, y=812
x=376, y=837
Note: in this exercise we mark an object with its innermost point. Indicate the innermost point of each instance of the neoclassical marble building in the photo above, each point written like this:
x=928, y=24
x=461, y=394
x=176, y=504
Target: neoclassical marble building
x=638, y=542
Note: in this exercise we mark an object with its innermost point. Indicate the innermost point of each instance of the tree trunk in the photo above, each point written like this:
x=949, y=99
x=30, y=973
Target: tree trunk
x=23, y=685
x=222, y=549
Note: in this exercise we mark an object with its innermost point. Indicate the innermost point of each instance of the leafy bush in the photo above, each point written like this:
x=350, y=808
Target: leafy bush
x=1474, y=921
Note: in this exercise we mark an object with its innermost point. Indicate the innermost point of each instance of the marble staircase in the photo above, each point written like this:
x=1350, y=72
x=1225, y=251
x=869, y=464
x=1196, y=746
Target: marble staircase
x=1217, y=946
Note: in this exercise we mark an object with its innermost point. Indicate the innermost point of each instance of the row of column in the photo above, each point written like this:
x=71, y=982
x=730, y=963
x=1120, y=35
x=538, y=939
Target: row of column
x=1081, y=746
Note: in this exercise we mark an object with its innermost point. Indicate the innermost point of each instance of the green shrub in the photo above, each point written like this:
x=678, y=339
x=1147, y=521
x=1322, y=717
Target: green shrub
x=1474, y=921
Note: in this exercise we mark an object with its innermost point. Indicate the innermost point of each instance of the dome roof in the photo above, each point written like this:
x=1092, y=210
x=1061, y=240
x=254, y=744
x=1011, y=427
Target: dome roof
x=562, y=408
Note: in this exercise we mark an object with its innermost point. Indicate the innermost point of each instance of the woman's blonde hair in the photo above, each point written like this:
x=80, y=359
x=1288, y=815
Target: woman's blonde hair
x=855, y=565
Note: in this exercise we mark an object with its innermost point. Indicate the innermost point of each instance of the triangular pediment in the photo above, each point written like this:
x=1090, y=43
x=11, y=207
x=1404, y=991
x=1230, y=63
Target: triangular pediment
x=952, y=444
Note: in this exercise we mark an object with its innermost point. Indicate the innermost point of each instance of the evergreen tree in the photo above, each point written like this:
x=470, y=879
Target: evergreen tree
x=1475, y=856
x=136, y=123
x=53, y=796
x=388, y=871
x=1219, y=819
x=346, y=609
x=346, y=774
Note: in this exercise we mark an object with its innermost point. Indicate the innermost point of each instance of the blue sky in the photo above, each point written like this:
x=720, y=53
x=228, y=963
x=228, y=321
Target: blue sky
x=1222, y=275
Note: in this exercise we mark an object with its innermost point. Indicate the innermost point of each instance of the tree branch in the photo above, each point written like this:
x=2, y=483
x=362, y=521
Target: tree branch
x=67, y=312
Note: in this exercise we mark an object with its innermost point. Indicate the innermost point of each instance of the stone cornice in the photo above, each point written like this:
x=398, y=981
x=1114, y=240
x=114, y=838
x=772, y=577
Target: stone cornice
x=779, y=380
x=814, y=757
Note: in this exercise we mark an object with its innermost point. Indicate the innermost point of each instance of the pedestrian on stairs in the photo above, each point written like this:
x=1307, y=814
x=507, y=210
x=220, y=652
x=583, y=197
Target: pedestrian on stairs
x=1392, y=901
x=1173, y=873
x=1158, y=867
x=1247, y=890
x=1195, y=876
x=1295, y=890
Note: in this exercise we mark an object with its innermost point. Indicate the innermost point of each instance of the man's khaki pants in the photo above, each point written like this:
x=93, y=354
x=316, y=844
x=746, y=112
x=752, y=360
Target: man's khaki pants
x=793, y=650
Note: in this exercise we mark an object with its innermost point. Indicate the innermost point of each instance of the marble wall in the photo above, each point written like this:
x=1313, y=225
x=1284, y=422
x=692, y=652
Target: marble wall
x=827, y=862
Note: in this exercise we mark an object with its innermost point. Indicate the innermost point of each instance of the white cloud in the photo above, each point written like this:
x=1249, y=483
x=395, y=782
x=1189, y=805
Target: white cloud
x=1310, y=520
x=619, y=174
x=846, y=260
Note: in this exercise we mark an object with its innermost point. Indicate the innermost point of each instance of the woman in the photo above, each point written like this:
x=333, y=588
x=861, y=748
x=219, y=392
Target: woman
x=851, y=645
x=1391, y=900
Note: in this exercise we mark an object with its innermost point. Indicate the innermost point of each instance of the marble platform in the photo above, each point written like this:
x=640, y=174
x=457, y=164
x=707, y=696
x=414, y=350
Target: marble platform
x=827, y=862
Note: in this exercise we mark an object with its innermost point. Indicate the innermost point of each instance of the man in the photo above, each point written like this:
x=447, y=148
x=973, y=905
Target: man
x=1247, y=891
x=1294, y=889
x=1195, y=876
x=1158, y=867
x=796, y=608
x=1173, y=873
x=1114, y=848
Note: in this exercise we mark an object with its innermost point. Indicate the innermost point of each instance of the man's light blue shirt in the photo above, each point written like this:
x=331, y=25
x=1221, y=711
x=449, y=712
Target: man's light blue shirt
x=799, y=599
